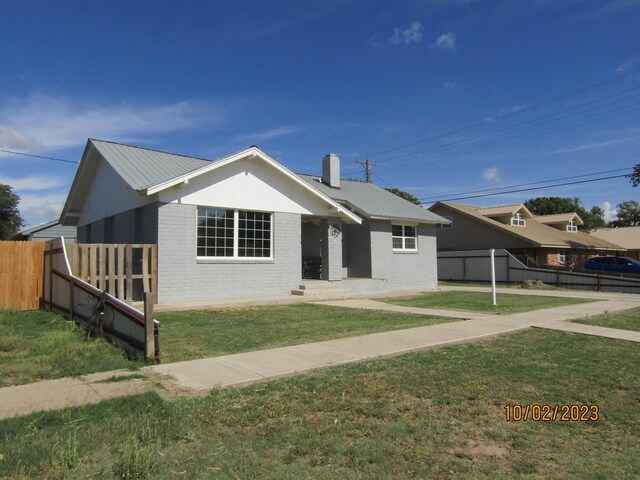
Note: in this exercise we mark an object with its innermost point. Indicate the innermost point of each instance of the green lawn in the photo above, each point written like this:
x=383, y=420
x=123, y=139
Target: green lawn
x=38, y=345
x=434, y=414
x=625, y=320
x=482, y=302
x=206, y=333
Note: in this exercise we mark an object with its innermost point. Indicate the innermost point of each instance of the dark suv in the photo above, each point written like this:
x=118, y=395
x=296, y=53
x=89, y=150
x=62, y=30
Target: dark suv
x=614, y=264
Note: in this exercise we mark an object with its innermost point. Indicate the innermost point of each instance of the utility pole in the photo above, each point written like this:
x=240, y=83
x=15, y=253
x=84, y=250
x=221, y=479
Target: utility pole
x=367, y=169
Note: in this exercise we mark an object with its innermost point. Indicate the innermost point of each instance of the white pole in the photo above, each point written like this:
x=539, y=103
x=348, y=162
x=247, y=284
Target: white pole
x=493, y=275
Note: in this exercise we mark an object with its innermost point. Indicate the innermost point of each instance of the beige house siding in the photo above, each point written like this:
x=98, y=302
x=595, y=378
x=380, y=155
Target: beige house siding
x=469, y=234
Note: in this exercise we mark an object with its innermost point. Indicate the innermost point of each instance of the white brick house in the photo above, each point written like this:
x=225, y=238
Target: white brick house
x=244, y=225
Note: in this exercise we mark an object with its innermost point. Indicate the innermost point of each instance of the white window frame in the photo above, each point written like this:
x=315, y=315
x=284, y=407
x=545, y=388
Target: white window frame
x=572, y=226
x=404, y=237
x=517, y=220
x=236, y=236
x=564, y=256
x=445, y=225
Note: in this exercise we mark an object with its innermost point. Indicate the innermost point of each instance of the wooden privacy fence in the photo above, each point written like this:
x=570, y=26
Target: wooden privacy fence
x=21, y=275
x=124, y=271
x=99, y=312
x=474, y=265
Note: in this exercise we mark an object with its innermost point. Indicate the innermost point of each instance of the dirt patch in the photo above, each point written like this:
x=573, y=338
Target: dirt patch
x=534, y=284
x=477, y=450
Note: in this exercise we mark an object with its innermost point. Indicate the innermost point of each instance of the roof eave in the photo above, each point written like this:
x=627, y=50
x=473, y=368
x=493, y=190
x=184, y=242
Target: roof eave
x=250, y=153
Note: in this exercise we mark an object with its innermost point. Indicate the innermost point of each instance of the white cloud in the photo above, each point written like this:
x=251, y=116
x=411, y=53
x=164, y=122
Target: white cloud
x=610, y=213
x=450, y=85
x=34, y=183
x=445, y=42
x=627, y=66
x=491, y=174
x=593, y=146
x=269, y=134
x=412, y=34
x=41, y=208
x=617, y=6
x=40, y=122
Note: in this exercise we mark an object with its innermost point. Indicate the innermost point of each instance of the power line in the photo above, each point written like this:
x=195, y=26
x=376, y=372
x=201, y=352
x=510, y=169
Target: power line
x=489, y=145
x=536, y=188
x=509, y=114
x=490, y=138
x=540, y=183
x=38, y=156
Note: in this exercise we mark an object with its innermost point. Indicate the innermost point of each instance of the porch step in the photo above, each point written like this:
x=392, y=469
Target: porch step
x=322, y=290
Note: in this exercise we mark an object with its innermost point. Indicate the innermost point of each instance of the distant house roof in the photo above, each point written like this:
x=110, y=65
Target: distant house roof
x=504, y=210
x=47, y=231
x=559, y=218
x=535, y=232
x=373, y=202
x=627, y=237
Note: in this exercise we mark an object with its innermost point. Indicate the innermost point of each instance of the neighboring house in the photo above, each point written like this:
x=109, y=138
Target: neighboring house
x=244, y=225
x=627, y=237
x=47, y=231
x=552, y=240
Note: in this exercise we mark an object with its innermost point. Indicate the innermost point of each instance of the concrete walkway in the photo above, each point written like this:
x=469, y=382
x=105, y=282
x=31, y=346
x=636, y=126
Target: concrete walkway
x=68, y=392
x=249, y=367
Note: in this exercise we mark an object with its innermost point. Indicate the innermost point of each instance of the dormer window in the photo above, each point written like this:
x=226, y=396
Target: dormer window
x=572, y=226
x=517, y=220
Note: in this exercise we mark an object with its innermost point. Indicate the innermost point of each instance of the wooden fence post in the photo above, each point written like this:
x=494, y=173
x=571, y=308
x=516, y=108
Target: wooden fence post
x=149, y=344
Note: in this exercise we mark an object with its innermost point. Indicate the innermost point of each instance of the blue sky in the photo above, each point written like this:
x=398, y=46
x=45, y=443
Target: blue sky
x=548, y=88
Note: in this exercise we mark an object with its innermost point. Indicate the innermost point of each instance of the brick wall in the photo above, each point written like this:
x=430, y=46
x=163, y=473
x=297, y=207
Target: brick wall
x=183, y=278
x=404, y=271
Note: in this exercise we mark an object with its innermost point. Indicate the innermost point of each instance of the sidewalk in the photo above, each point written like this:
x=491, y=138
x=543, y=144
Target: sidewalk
x=249, y=367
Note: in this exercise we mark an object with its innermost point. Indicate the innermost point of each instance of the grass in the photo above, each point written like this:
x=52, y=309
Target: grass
x=482, y=302
x=436, y=414
x=40, y=345
x=197, y=334
x=36, y=345
x=624, y=320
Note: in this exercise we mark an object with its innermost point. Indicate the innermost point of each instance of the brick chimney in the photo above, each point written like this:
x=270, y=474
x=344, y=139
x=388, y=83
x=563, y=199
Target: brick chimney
x=331, y=170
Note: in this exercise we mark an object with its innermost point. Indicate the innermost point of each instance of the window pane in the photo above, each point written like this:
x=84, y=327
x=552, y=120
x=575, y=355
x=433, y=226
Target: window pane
x=409, y=231
x=397, y=243
x=410, y=243
x=215, y=231
x=396, y=230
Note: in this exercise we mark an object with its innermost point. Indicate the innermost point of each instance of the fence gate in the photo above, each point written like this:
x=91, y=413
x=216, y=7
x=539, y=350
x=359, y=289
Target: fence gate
x=21, y=275
x=95, y=309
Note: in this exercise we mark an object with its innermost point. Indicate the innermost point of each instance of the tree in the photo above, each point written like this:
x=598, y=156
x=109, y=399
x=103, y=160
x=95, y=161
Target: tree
x=402, y=194
x=628, y=214
x=552, y=205
x=10, y=218
x=634, y=178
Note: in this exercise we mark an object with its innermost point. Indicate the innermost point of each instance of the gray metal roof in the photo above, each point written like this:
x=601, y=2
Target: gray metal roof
x=142, y=167
x=372, y=201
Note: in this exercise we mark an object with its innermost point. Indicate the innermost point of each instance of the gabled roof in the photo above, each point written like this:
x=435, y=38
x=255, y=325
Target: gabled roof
x=627, y=237
x=559, y=218
x=536, y=233
x=151, y=171
x=502, y=210
x=373, y=202
x=142, y=167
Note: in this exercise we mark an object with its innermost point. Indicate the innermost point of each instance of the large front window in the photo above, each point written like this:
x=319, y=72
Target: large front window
x=403, y=237
x=233, y=233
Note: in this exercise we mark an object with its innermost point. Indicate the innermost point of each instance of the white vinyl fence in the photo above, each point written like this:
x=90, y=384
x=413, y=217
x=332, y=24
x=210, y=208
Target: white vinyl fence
x=475, y=266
